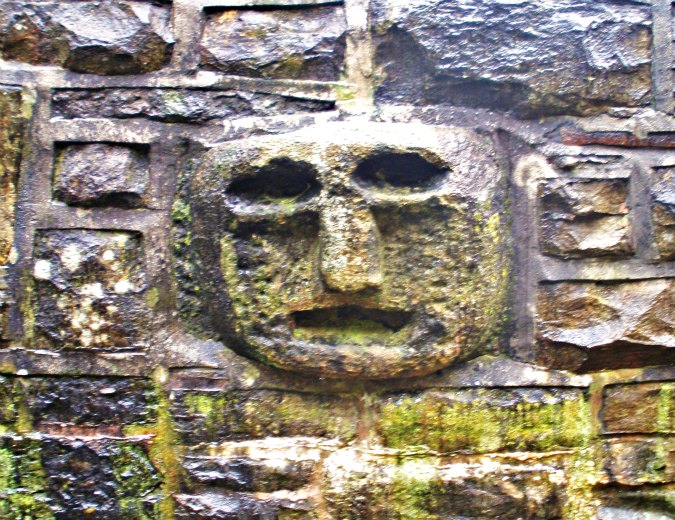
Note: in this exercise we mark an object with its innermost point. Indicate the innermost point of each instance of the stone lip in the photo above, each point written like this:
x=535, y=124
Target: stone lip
x=319, y=233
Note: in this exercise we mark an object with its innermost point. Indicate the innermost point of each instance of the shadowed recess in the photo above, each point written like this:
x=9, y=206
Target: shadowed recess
x=408, y=172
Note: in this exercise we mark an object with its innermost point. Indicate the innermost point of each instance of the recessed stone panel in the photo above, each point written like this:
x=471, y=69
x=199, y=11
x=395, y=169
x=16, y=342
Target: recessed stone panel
x=101, y=174
x=525, y=56
x=89, y=287
x=584, y=217
x=298, y=43
x=596, y=325
x=97, y=37
x=663, y=212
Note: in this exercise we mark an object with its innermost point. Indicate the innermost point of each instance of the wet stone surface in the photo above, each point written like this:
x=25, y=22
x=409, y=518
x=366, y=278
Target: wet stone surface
x=297, y=43
x=525, y=56
x=89, y=287
x=93, y=37
x=176, y=105
x=101, y=174
x=593, y=325
x=584, y=217
x=663, y=212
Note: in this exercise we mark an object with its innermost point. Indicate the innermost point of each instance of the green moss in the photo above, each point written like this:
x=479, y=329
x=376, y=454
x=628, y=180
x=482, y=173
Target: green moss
x=481, y=427
x=152, y=297
x=136, y=478
x=180, y=212
x=665, y=415
x=6, y=470
x=415, y=488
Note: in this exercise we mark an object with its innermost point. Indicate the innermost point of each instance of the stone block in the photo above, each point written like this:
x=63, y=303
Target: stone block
x=176, y=105
x=297, y=43
x=114, y=37
x=361, y=485
x=89, y=290
x=220, y=416
x=605, y=325
x=487, y=420
x=584, y=217
x=663, y=212
x=101, y=174
x=11, y=134
x=530, y=57
x=639, y=408
x=634, y=462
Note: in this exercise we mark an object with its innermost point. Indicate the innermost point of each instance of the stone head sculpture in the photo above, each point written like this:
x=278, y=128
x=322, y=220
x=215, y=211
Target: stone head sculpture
x=353, y=251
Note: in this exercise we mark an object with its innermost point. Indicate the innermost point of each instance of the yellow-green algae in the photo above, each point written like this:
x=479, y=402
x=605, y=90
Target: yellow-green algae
x=481, y=427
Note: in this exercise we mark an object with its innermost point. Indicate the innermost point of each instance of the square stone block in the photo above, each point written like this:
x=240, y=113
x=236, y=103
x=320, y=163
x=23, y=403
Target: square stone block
x=584, y=218
x=89, y=289
x=101, y=174
x=639, y=408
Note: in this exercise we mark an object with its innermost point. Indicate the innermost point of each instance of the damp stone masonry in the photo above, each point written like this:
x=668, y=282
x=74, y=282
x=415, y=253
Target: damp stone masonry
x=337, y=259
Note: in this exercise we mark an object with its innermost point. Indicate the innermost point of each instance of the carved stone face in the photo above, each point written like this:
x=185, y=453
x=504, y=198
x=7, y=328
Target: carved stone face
x=372, y=250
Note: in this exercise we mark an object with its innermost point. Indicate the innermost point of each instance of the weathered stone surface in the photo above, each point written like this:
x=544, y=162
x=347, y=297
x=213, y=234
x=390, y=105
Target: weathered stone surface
x=176, y=105
x=634, y=462
x=584, y=217
x=101, y=174
x=639, y=408
x=235, y=506
x=220, y=416
x=486, y=420
x=89, y=287
x=663, y=212
x=59, y=478
x=101, y=37
x=594, y=326
x=527, y=56
x=299, y=43
x=367, y=250
x=363, y=487
x=11, y=134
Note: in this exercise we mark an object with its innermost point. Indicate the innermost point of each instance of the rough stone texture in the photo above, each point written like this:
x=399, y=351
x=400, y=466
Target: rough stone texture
x=484, y=421
x=177, y=105
x=89, y=288
x=357, y=487
x=11, y=129
x=100, y=37
x=526, y=56
x=584, y=217
x=634, y=462
x=663, y=212
x=101, y=174
x=639, y=408
x=591, y=326
x=213, y=416
x=276, y=43
x=348, y=264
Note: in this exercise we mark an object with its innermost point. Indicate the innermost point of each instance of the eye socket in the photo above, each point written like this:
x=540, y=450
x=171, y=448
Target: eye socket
x=279, y=181
x=399, y=172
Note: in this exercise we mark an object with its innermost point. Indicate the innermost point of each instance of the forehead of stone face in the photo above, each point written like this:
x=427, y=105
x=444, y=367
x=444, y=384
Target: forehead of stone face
x=334, y=152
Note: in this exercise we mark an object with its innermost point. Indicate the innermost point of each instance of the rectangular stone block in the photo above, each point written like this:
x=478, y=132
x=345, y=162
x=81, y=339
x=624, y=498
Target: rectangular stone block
x=663, y=212
x=89, y=289
x=220, y=416
x=639, y=408
x=101, y=174
x=486, y=420
x=606, y=325
x=584, y=218
x=177, y=105
x=11, y=134
x=116, y=37
x=634, y=462
x=295, y=43
x=525, y=56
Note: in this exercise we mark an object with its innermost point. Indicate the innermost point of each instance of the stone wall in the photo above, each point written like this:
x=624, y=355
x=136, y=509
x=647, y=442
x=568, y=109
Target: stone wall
x=440, y=285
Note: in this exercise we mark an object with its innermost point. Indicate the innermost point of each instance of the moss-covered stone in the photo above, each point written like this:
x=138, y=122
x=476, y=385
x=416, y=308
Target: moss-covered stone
x=483, y=421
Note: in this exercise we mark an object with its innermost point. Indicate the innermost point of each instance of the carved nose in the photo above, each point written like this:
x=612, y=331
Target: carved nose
x=350, y=252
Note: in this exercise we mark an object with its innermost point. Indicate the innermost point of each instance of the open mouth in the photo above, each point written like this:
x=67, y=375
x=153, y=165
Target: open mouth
x=351, y=325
